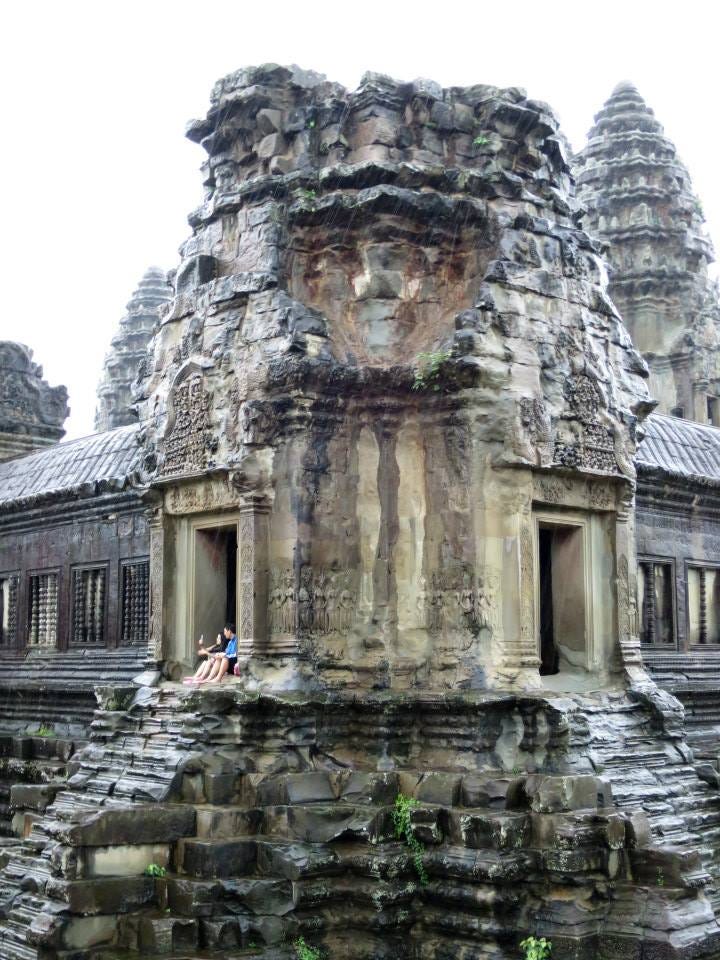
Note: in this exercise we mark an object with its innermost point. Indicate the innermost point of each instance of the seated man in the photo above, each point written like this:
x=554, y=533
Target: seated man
x=225, y=662
x=203, y=671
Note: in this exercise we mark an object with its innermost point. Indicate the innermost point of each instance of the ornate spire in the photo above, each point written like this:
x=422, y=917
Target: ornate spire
x=640, y=200
x=32, y=413
x=127, y=348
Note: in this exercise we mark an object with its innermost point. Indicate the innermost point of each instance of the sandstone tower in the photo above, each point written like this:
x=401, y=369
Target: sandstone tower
x=640, y=200
x=384, y=304
x=32, y=413
x=388, y=427
x=127, y=349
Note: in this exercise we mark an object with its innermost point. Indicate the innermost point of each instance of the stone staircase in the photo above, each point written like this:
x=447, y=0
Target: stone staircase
x=257, y=834
x=655, y=774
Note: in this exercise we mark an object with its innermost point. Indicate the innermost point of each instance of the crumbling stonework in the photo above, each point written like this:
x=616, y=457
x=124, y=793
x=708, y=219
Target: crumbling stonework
x=32, y=413
x=127, y=348
x=345, y=235
x=390, y=421
x=640, y=200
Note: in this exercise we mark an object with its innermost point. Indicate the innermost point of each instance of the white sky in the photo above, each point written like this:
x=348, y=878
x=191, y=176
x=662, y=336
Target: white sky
x=96, y=178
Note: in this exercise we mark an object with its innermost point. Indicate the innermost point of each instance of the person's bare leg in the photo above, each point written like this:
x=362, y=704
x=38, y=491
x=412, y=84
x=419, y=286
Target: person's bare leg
x=212, y=672
x=219, y=673
x=202, y=671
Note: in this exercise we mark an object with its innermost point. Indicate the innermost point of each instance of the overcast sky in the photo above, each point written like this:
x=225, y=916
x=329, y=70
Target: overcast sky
x=96, y=178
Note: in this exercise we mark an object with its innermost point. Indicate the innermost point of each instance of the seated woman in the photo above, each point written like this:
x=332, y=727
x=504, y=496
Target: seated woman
x=203, y=671
x=225, y=662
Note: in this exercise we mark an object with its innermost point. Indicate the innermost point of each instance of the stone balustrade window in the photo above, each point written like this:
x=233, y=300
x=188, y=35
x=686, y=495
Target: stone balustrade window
x=703, y=605
x=8, y=610
x=88, y=610
x=43, y=609
x=135, y=602
x=656, y=591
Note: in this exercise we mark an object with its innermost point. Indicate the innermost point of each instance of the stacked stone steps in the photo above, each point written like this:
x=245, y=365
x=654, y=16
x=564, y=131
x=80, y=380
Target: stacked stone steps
x=272, y=854
x=32, y=770
x=663, y=783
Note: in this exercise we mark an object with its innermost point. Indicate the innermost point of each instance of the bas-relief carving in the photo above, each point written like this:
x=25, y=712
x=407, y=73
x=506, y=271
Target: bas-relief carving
x=527, y=585
x=568, y=491
x=201, y=496
x=324, y=601
x=460, y=600
x=247, y=573
x=189, y=440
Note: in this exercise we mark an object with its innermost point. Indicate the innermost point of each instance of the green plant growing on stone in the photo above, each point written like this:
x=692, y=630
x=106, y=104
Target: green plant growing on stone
x=304, y=951
x=44, y=730
x=402, y=822
x=481, y=141
x=660, y=877
x=154, y=870
x=428, y=370
x=536, y=949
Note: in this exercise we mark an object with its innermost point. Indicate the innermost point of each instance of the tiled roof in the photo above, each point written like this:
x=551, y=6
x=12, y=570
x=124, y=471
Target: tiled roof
x=80, y=467
x=680, y=447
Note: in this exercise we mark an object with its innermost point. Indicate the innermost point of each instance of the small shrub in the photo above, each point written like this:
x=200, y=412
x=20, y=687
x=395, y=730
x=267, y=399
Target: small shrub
x=153, y=870
x=402, y=822
x=660, y=877
x=536, y=949
x=44, y=730
x=428, y=370
x=481, y=141
x=304, y=951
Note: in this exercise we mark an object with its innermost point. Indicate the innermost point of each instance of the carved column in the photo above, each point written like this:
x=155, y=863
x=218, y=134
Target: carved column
x=625, y=566
x=253, y=578
x=649, y=601
x=157, y=592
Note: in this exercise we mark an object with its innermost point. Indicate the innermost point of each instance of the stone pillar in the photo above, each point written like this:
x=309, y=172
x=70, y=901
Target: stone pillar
x=626, y=579
x=253, y=578
x=157, y=591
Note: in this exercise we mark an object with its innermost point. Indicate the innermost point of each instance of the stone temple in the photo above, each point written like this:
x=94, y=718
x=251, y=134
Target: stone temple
x=393, y=423
x=127, y=348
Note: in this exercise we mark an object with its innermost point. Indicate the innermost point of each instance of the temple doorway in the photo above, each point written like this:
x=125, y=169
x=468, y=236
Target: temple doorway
x=562, y=600
x=215, y=580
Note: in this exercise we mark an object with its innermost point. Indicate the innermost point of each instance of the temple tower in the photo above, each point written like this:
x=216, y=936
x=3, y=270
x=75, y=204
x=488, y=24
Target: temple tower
x=388, y=343
x=32, y=413
x=640, y=200
x=127, y=348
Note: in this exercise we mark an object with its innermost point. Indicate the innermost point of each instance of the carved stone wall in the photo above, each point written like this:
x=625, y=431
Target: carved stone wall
x=385, y=308
x=128, y=349
x=640, y=200
x=32, y=413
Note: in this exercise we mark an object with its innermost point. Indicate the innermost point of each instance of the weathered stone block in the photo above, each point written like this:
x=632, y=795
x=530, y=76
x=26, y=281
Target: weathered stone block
x=215, y=824
x=295, y=860
x=121, y=860
x=480, y=790
x=79, y=933
x=551, y=794
x=104, y=896
x=167, y=934
x=32, y=796
x=321, y=824
x=217, y=858
x=496, y=831
x=150, y=823
x=273, y=897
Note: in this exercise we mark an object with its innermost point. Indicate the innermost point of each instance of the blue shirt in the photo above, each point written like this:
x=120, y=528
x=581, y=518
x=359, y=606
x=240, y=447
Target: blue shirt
x=231, y=648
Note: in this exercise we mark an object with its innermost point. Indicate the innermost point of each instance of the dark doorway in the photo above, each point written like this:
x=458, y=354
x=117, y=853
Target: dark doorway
x=562, y=628
x=549, y=660
x=215, y=586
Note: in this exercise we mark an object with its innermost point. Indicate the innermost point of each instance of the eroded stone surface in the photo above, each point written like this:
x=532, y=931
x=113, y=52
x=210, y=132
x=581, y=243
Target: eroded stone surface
x=32, y=413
